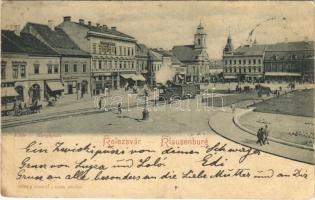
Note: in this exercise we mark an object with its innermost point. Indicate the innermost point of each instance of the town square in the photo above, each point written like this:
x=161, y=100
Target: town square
x=74, y=73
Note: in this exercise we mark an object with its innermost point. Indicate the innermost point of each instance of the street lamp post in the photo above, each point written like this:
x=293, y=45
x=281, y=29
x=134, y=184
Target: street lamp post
x=145, y=112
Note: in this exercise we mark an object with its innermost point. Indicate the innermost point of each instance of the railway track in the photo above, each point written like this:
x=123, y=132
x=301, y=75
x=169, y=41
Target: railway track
x=47, y=117
x=27, y=119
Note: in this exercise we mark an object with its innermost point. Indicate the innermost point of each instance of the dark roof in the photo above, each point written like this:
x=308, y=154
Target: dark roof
x=58, y=40
x=290, y=50
x=291, y=46
x=175, y=60
x=25, y=43
x=101, y=29
x=186, y=53
x=255, y=50
x=163, y=52
x=282, y=48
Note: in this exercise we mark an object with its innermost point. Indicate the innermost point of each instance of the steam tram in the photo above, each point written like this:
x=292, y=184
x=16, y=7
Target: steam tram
x=173, y=91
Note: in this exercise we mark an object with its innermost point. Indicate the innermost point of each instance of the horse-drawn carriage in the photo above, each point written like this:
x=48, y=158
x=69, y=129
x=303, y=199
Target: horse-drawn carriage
x=17, y=109
x=262, y=90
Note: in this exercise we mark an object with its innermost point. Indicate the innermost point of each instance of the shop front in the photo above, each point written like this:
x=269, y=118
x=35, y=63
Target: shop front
x=282, y=76
x=53, y=89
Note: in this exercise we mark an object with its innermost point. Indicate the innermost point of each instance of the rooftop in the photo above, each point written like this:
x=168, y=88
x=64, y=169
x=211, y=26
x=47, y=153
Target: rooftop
x=23, y=43
x=57, y=39
x=186, y=53
x=104, y=29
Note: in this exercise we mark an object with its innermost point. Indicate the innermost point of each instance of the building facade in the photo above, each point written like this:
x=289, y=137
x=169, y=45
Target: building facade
x=286, y=61
x=112, y=52
x=29, y=69
x=194, y=57
x=155, y=64
x=142, y=61
x=244, y=63
x=290, y=61
x=74, y=62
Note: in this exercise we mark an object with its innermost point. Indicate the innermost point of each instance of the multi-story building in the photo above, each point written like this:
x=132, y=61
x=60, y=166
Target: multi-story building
x=245, y=63
x=290, y=61
x=155, y=64
x=75, y=63
x=29, y=69
x=112, y=52
x=285, y=61
x=195, y=57
x=142, y=60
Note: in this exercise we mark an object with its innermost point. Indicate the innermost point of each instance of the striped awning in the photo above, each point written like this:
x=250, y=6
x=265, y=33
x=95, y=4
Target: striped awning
x=138, y=77
x=282, y=74
x=55, y=86
x=230, y=77
x=126, y=76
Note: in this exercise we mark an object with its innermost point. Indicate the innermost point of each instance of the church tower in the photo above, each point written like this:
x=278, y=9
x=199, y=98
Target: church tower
x=200, y=38
x=229, y=46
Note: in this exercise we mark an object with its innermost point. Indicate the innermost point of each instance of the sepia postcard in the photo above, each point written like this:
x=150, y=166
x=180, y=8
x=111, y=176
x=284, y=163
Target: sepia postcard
x=157, y=99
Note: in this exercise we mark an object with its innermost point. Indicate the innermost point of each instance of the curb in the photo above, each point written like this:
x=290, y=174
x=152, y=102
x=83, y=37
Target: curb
x=306, y=162
x=236, y=118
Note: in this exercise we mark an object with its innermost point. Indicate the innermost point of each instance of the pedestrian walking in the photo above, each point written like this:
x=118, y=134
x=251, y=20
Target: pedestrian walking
x=260, y=136
x=119, y=109
x=265, y=135
x=100, y=103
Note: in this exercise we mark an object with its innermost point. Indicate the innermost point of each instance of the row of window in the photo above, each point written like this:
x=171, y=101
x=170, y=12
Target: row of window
x=102, y=64
x=244, y=70
x=19, y=70
x=52, y=69
x=142, y=65
x=156, y=67
x=112, y=50
x=244, y=61
x=282, y=68
x=74, y=68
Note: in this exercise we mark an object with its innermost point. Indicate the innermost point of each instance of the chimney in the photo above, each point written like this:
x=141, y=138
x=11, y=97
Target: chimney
x=67, y=18
x=89, y=23
x=104, y=26
x=17, y=30
x=51, y=25
x=97, y=25
x=114, y=28
x=81, y=21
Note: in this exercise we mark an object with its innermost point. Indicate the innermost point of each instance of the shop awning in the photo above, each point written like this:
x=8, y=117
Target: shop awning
x=126, y=76
x=101, y=74
x=281, y=74
x=138, y=77
x=55, y=86
x=230, y=77
x=8, y=92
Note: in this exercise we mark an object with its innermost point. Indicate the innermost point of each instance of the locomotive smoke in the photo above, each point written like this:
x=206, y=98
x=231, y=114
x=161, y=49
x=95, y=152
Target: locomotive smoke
x=165, y=74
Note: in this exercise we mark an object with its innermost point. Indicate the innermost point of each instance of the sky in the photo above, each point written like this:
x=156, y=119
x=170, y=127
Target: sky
x=166, y=24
